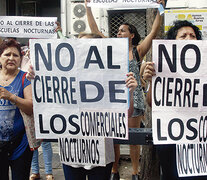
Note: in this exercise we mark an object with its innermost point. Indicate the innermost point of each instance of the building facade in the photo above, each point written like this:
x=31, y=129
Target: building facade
x=44, y=8
x=72, y=15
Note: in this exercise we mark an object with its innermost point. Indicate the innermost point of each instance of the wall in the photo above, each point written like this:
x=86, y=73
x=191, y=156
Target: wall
x=2, y=7
x=50, y=8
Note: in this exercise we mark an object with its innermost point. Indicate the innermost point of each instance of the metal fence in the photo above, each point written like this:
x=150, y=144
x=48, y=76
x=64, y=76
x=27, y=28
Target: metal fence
x=135, y=17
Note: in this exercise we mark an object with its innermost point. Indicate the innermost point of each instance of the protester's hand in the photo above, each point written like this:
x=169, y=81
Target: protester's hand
x=161, y=2
x=86, y=3
x=28, y=54
x=5, y=94
x=149, y=71
x=30, y=73
x=58, y=28
x=131, y=82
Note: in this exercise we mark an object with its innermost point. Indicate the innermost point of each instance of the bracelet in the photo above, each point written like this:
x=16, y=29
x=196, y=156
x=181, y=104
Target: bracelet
x=144, y=79
x=146, y=89
x=15, y=99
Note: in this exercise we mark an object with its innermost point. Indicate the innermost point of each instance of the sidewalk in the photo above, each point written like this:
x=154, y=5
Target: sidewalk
x=124, y=170
x=56, y=165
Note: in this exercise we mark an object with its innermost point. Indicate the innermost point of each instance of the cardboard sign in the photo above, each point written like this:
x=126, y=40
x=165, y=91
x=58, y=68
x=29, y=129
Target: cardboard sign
x=123, y=4
x=79, y=87
x=179, y=92
x=27, y=27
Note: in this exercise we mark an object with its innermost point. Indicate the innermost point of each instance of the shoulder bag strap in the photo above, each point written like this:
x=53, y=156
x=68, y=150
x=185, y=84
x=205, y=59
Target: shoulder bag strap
x=23, y=78
x=136, y=54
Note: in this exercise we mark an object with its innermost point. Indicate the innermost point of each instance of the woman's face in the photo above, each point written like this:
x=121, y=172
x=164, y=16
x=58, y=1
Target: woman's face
x=124, y=32
x=186, y=33
x=10, y=59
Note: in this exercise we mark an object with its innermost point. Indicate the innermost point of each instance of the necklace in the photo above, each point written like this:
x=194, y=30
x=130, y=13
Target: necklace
x=5, y=80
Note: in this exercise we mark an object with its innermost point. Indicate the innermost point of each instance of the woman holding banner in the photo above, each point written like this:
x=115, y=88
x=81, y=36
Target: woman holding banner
x=181, y=30
x=136, y=54
x=14, y=96
x=80, y=172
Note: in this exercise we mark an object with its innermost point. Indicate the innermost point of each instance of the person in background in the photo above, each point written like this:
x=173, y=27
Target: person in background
x=26, y=58
x=14, y=96
x=47, y=156
x=137, y=51
x=46, y=146
x=181, y=30
x=58, y=30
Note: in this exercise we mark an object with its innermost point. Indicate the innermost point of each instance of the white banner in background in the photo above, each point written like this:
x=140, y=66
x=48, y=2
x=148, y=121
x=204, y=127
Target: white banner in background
x=79, y=87
x=186, y=4
x=135, y=4
x=28, y=27
x=179, y=92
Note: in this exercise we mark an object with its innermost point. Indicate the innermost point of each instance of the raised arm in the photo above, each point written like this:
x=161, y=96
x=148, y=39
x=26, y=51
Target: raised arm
x=58, y=30
x=144, y=47
x=91, y=21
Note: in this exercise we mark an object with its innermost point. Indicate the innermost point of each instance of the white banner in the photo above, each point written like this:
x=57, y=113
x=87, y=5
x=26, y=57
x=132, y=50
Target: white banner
x=186, y=4
x=123, y=4
x=28, y=27
x=191, y=159
x=79, y=88
x=179, y=92
x=84, y=151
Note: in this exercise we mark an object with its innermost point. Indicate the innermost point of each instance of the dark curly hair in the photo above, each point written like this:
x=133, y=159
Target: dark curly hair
x=173, y=31
x=6, y=43
x=133, y=30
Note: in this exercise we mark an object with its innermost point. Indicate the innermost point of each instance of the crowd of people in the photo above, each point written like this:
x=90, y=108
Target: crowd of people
x=16, y=96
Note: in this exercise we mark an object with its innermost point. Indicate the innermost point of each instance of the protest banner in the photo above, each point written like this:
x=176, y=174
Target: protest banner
x=85, y=151
x=123, y=4
x=27, y=27
x=79, y=87
x=179, y=92
x=191, y=159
